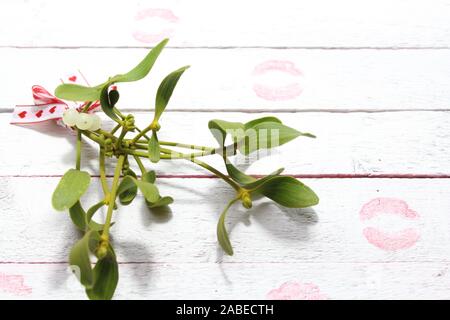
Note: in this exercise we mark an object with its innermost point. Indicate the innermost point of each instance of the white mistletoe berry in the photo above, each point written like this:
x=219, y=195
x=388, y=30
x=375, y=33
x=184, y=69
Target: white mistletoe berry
x=84, y=121
x=70, y=117
x=96, y=122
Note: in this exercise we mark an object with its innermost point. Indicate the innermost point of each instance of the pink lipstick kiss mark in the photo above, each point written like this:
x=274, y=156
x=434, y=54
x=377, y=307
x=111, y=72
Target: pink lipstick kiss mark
x=147, y=14
x=389, y=241
x=296, y=291
x=14, y=284
x=278, y=93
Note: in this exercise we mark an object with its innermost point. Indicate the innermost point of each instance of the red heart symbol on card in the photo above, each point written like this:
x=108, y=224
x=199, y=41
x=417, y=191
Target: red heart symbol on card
x=52, y=109
x=39, y=113
x=22, y=114
x=73, y=78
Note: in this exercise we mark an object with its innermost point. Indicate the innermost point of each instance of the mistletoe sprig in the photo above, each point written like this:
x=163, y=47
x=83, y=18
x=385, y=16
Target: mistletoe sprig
x=126, y=142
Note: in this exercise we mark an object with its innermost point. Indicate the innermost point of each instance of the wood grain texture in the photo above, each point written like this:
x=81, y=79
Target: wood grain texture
x=323, y=23
x=225, y=79
x=350, y=144
x=332, y=232
x=238, y=281
x=177, y=255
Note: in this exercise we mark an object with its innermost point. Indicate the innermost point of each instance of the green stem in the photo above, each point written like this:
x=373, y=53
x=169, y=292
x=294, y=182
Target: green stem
x=112, y=198
x=93, y=137
x=141, y=146
x=169, y=154
x=140, y=164
x=207, y=167
x=103, y=173
x=120, y=114
x=178, y=155
x=145, y=154
x=186, y=155
x=229, y=150
x=142, y=133
x=145, y=136
x=186, y=146
x=78, y=159
x=107, y=134
x=135, y=152
x=122, y=135
x=86, y=107
x=117, y=127
x=167, y=143
x=217, y=173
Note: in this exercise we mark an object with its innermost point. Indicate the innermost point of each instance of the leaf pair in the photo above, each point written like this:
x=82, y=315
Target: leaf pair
x=286, y=191
x=163, y=95
x=108, y=99
x=150, y=177
x=75, y=92
x=129, y=185
x=261, y=133
x=82, y=219
x=101, y=92
x=101, y=281
x=148, y=190
x=106, y=277
x=127, y=195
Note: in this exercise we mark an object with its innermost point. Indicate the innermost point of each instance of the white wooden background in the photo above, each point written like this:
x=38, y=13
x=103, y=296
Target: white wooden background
x=370, y=78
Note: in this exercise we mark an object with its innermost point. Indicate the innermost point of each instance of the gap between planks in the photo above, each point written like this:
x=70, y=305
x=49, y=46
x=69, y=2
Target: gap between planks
x=221, y=262
x=299, y=176
x=238, y=47
x=8, y=109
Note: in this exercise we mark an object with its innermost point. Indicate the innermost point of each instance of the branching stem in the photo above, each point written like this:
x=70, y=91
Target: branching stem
x=112, y=199
x=78, y=159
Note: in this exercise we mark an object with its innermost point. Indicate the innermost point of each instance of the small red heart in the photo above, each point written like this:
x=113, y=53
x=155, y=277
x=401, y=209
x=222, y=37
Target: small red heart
x=39, y=113
x=73, y=78
x=52, y=109
x=22, y=114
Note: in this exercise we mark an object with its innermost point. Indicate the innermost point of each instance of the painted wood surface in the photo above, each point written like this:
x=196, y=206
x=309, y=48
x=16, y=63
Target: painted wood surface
x=323, y=23
x=270, y=242
x=239, y=281
x=370, y=79
x=351, y=144
x=248, y=79
x=334, y=231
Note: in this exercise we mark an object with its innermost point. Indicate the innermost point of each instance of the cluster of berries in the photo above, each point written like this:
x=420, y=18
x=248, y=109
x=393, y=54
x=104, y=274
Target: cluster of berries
x=83, y=121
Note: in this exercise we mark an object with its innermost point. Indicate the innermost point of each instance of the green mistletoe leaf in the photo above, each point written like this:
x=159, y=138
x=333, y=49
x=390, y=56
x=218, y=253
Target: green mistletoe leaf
x=165, y=91
x=289, y=192
x=106, y=277
x=70, y=188
x=79, y=258
x=153, y=148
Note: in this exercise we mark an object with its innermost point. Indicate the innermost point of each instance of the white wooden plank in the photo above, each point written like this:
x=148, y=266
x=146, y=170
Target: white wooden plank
x=349, y=143
x=239, y=281
x=338, y=230
x=226, y=79
x=347, y=23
